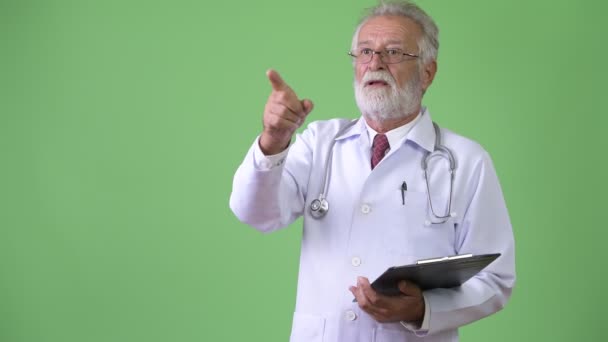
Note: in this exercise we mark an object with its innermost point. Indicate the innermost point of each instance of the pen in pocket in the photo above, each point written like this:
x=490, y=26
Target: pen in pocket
x=403, y=190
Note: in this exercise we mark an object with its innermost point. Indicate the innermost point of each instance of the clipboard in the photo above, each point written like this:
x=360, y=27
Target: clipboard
x=444, y=272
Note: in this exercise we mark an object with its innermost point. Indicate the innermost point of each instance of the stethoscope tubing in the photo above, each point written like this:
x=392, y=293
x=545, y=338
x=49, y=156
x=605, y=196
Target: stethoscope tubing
x=320, y=206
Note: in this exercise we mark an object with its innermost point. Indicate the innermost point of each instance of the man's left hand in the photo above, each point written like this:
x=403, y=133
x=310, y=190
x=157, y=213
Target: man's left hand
x=408, y=307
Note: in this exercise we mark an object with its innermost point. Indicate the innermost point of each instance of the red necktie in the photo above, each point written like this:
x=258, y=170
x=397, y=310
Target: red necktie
x=379, y=148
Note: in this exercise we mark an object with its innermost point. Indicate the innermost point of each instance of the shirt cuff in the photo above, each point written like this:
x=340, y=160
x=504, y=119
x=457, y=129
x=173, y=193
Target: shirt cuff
x=264, y=162
x=422, y=329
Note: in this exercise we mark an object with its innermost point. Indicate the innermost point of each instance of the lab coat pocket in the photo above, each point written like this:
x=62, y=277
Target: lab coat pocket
x=307, y=328
x=406, y=235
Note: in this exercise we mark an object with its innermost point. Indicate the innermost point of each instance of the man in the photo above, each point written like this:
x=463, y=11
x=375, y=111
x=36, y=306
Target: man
x=382, y=209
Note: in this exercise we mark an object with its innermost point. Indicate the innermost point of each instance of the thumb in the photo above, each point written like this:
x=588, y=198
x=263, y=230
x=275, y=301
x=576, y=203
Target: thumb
x=409, y=289
x=307, y=105
x=276, y=81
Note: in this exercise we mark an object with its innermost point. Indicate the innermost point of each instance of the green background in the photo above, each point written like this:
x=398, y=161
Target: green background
x=122, y=122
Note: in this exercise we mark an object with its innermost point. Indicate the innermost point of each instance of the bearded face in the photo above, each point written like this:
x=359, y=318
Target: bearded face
x=380, y=98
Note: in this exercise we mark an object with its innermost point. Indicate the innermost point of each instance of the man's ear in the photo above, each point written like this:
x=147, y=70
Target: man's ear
x=428, y=74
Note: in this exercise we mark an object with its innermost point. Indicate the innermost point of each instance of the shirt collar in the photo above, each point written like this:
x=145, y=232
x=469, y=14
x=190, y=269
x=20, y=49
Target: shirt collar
x=421, y=131
x=395, y=136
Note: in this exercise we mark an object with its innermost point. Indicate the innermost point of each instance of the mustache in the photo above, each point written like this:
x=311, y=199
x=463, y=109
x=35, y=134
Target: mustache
x=378, y=76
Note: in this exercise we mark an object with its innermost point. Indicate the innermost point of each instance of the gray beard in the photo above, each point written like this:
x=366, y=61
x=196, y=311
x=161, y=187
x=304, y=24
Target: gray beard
x=386, y=104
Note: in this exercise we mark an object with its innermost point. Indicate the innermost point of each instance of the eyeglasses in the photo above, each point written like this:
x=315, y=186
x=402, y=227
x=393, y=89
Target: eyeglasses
x=388, y=56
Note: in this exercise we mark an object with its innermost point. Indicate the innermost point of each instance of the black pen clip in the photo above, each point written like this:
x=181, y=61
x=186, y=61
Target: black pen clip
x=403, y=190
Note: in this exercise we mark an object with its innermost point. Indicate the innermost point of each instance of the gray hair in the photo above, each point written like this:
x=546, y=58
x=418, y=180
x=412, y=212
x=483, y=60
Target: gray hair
x=428, y=44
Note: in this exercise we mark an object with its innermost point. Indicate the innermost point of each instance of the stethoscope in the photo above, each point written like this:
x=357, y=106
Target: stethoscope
x=320, y=206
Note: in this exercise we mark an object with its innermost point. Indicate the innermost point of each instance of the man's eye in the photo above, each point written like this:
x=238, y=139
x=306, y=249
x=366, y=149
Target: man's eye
x=393, y=52
x=366, y=52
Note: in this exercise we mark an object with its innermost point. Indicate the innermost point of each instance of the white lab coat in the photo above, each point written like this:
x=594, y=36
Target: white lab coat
x=368, y=228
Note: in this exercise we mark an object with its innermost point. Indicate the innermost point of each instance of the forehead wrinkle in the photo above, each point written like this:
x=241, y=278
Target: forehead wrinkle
x=394, y=41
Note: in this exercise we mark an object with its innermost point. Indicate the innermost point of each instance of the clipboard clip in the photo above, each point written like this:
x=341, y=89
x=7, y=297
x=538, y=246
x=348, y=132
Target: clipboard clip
x=445, y=258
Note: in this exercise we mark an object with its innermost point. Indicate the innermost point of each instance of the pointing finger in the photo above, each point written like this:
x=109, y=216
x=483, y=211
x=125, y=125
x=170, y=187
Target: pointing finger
x=276, y=81
x=283, y=93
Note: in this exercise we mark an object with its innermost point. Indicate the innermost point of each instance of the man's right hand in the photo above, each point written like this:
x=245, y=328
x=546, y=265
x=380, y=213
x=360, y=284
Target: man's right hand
x=283, y=114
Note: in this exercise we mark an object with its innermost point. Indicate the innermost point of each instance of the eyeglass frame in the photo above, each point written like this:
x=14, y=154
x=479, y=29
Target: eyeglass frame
x=382, y=54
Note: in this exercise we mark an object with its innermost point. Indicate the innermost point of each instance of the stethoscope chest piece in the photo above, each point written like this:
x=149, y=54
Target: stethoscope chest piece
x=319, y=207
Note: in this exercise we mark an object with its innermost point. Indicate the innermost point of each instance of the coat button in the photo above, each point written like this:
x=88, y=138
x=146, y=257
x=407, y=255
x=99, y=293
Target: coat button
x=366, y=209
x=351, y=315
x=355, y=261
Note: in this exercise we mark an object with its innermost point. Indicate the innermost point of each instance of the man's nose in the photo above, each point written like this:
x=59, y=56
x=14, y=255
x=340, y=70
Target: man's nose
x=376, y=63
